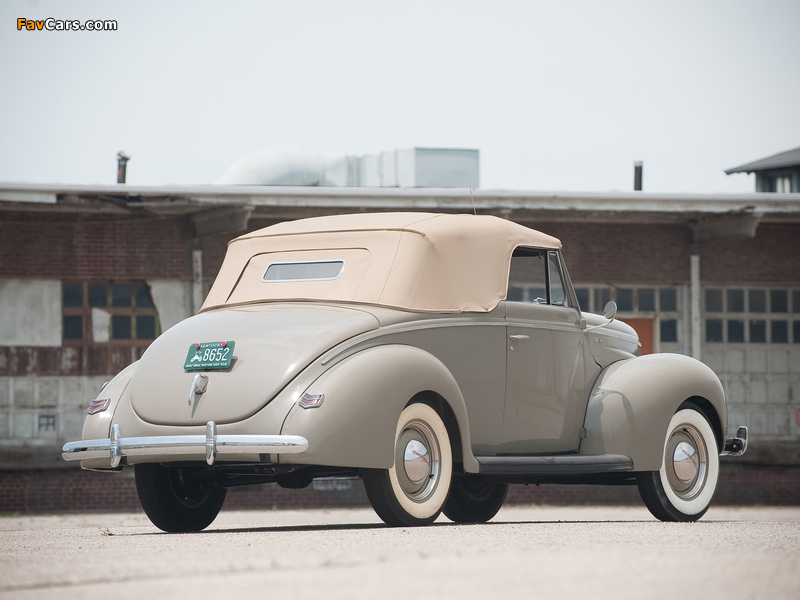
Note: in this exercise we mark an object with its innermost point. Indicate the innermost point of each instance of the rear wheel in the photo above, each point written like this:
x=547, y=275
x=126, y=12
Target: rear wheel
x=684, y=486
x=178, y=499
x=414, y=489
x=473, y=500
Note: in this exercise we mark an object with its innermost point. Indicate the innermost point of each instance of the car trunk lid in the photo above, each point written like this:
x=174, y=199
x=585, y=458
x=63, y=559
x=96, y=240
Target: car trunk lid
x=272, y=344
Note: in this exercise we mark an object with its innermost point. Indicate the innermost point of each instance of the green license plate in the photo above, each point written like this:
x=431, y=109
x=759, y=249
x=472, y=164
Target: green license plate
x=209, y=355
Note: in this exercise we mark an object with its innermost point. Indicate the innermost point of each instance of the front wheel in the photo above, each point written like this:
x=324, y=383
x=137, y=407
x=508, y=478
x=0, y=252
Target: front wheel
x=684, y=486
x=473, y=500
x=178, y=499
x=413, y=491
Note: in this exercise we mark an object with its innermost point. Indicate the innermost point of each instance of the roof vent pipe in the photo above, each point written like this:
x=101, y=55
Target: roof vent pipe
x=637, y=176
x=122, y=166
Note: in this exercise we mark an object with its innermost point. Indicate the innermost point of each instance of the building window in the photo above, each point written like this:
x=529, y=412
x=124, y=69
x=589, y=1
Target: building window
x=669, y=330
x=127, y=312
x=735, y=301
x=667, y=300
x=647, y=299
x=625, y=299
x=782, y=184
x=583, y=295
x=661, y=303
x=713, y=330
x=779, y=301
x=752, y=315
x=779, y=333
x=629, y=299
x=735, y=330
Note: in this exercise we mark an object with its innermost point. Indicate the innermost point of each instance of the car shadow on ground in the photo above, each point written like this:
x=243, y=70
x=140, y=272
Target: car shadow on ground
x=369, y=526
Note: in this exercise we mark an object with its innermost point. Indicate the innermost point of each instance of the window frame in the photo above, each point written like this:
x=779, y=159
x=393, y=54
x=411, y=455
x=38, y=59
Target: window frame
x=133, y=311
x=340, y=261
x=645, y=303
x=748, y=314
x=549, y=257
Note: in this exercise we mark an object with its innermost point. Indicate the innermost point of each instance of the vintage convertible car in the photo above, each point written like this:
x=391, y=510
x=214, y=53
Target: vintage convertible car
x=438, y=357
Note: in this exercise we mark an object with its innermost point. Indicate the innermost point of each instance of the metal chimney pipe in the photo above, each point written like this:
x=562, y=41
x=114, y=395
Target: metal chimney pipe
x=122, y=162
x=637, y=176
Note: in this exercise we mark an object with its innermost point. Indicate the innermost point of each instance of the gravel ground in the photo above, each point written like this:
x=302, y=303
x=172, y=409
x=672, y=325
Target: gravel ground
x=524, y=552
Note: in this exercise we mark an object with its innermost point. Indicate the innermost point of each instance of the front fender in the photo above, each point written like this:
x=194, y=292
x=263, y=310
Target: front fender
x=364, y=396
x=633, y=401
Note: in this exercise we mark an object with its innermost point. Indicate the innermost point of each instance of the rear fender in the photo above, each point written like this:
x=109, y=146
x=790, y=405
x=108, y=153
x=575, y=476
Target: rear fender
x=98, y=425
x=363, y=398
x=633, y=401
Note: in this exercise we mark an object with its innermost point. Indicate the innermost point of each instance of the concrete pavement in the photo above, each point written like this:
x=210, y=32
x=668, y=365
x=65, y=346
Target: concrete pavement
x=524, y=552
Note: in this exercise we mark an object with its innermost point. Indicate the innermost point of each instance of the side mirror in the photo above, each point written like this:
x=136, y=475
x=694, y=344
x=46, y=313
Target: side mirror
x=610, y=310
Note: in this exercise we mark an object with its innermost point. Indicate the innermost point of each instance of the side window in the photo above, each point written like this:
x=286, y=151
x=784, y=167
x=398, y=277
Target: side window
x=527, y=279
x=557, y=294
x=531, y=269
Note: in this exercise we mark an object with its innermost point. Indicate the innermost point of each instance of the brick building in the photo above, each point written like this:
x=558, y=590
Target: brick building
x=89, y=275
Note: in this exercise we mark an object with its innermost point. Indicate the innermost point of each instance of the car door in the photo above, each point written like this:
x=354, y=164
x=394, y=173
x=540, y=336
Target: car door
x=548, y=368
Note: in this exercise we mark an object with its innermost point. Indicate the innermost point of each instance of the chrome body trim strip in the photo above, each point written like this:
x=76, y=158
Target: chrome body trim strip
x=207, y=446
x=557, y=465
x=393, y=330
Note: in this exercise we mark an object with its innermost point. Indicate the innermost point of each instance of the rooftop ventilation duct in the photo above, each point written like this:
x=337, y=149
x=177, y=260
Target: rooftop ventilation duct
x=408, y=167
x=288, y=165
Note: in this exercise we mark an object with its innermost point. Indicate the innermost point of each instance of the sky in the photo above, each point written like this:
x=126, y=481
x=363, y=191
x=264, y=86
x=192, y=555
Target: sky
x=556, y=95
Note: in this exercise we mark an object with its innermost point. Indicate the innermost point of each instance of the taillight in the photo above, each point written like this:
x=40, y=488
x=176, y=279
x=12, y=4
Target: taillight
x=311, y=400
x=99, y=405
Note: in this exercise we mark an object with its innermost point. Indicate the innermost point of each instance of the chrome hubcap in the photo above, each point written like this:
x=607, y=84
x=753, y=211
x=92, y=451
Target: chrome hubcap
x=417, y=461
x=686, y=462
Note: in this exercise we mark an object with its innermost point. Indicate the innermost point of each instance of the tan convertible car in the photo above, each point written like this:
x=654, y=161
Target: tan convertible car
x=438, y=357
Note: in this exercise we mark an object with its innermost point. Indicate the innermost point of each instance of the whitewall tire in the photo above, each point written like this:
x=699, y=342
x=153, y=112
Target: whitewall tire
x=414, y=490
x=682, y=489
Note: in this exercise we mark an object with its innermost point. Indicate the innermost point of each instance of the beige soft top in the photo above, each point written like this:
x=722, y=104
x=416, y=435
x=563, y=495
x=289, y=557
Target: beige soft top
x=412, y=261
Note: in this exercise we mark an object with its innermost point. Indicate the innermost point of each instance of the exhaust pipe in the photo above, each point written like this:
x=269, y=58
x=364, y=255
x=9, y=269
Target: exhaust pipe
x=122, y=162
x=637, y=176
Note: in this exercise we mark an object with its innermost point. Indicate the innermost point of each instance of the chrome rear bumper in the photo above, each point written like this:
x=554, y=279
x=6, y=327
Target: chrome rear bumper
x=736, y=446
x=208, y=446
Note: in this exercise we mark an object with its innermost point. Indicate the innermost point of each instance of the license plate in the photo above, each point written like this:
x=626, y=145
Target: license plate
x=209, y=355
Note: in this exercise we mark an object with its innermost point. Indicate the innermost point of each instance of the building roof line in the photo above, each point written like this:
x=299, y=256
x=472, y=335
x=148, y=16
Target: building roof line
x=191, y=199
x=787, y=159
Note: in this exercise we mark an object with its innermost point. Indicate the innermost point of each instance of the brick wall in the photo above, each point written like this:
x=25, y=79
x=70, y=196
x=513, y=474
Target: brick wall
x=773, y=256
x=94, y=246
x=659, y=254
x=623, y=253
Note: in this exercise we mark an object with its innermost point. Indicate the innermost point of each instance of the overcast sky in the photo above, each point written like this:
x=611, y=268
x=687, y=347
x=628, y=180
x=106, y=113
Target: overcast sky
x=556, y=95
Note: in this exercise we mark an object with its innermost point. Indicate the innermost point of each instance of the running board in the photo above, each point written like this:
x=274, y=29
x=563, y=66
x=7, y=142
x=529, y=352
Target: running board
x=563, y=465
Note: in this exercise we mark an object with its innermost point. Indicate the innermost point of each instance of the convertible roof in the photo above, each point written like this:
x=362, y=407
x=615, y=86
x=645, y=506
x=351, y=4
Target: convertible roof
x=412, y=261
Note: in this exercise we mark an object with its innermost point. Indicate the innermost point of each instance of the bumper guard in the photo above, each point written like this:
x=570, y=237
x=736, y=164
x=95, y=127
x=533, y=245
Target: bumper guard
x=736, y=446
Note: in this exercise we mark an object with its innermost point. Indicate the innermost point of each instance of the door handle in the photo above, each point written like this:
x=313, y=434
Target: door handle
x=518, y=336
